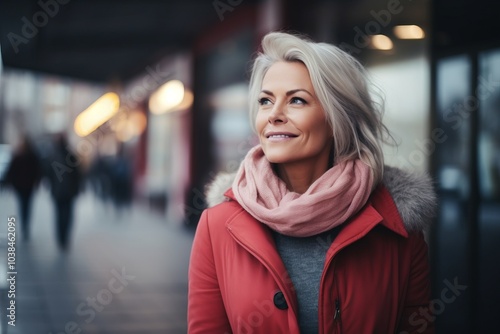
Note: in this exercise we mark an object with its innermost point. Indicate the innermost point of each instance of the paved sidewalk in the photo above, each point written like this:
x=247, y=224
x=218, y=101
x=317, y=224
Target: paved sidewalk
x=125, y=272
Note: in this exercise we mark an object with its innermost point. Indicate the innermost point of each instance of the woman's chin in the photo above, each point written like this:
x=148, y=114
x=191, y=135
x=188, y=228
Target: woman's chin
x=278, y=158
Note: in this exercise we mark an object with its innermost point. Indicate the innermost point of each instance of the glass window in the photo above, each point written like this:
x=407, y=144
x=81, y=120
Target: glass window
x=488, y=94
x=454, y=110
x=452, y=136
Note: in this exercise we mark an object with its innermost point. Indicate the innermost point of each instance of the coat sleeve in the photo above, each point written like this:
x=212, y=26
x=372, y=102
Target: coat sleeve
x=206, y=311
x=416, y=316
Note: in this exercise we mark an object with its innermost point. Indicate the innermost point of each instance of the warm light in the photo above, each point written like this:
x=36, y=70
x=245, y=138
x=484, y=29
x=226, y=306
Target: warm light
x=97, y=114
x=186, y=103
x=381, y=42
x=125, y=130
x=167, y=97
x=409, y=32
x=139, y=120
x=130, y=126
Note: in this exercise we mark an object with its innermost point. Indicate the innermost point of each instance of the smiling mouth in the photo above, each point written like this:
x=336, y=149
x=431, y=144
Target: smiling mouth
x=280, y=136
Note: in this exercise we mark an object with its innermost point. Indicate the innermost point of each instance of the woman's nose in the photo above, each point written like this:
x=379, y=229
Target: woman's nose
x=277, y=115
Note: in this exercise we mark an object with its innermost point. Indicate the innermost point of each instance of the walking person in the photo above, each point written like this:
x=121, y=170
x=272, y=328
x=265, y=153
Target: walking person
x=313, y=234
x=65, y=178
x=23, y=174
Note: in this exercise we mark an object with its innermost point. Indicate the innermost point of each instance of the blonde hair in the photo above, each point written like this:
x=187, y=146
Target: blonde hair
x=341, y=85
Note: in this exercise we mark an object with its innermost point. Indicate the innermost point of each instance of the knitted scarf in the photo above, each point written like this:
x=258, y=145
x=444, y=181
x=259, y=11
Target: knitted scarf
x=334, y=197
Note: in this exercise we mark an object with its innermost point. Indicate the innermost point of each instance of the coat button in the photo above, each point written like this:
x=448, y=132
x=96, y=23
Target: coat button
x=279, y=301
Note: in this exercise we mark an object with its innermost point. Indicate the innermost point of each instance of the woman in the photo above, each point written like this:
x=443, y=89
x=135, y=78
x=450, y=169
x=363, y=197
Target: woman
x=313, y=235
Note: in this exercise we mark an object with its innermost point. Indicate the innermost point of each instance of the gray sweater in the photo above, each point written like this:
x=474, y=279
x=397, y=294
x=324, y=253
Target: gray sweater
x=304, y=259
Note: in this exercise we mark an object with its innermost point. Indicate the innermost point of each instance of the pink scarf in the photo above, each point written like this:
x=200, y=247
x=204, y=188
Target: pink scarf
x=338, y=194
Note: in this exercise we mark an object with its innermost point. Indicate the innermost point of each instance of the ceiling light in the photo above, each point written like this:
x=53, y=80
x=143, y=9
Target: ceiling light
x=167, y=97
x=409, y=32
x=186, y=102
x=381, y=42
x=97, y=114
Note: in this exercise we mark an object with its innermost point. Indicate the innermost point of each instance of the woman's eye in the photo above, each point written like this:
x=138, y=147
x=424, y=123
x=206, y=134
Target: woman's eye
x=297, y=100
x=264, y=101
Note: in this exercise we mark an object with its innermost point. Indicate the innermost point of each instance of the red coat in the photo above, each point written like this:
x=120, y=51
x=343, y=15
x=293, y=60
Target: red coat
x=375, y=278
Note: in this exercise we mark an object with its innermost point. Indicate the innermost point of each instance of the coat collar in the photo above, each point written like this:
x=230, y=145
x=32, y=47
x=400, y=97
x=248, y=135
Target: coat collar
x=380, y=209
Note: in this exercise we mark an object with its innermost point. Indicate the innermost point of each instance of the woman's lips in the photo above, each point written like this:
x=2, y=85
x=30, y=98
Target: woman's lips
x=280, y=136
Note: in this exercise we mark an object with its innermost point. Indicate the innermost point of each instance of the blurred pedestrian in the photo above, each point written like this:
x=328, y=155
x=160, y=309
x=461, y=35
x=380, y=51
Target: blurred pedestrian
x=65, y=178
x=121, y=180
x=23, y=174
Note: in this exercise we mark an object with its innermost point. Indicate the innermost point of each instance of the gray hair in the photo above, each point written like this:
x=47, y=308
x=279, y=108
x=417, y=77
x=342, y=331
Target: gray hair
x=342, y=87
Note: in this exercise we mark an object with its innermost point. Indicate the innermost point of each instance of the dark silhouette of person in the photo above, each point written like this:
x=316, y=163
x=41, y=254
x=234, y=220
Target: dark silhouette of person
x=65, y=178
x=111, y=178
x=23, y=174
x=121, y=177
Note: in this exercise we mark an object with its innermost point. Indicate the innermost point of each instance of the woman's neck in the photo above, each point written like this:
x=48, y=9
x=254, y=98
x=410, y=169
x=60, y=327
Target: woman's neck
x=298, y=176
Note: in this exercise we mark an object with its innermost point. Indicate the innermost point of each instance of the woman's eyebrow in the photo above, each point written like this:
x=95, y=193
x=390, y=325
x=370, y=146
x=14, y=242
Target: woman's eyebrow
x=290, y=92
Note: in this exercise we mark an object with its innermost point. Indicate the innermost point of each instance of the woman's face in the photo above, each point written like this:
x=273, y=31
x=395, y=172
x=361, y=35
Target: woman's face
x=290, y=122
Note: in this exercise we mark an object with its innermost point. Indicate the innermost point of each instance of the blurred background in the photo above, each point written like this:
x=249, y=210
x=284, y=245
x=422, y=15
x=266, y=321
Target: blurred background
x=141, y=103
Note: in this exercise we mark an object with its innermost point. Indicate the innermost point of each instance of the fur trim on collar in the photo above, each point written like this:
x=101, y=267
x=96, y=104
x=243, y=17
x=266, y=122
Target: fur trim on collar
x=413, y=194
x=214, y=191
